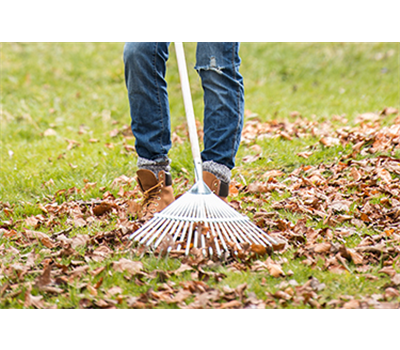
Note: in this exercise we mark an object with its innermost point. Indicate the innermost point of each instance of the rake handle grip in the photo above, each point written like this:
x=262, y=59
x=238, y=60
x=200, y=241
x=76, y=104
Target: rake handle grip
x=187, y=100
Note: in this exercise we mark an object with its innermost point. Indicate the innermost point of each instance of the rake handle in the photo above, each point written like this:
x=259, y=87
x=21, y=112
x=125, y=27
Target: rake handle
x=187, y=100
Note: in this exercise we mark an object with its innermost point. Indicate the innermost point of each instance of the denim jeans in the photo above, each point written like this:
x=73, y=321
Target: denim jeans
x=217, y=63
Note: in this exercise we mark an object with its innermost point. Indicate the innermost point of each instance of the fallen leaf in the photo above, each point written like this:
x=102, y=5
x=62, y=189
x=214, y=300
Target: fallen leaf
x=49, y=132
x=352, y=304
x=391, y=293
x=340, y=206
x=72, y=144
x=322, y=247
x=183, y=268
x=31, y=300
x=114, y=290
x=44, y=279
x=258, y=249
x=273, y=173
x=384, y=175
x=355, y=174
x=356, y=257
x=305, y=155
x=98, y=271
x=396, y=279
x=102, y=208
x=275, y=270
x=181, y=296
x=114, y=133
x=91, y=290
x=388, y=270
x=233, y=304
x=250, y=158
x=389, y=110
x=371, y=117
x=130, y=266
x=329, y=141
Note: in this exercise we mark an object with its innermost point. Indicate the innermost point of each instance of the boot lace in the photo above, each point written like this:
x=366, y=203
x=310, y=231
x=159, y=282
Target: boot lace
x=150, y=197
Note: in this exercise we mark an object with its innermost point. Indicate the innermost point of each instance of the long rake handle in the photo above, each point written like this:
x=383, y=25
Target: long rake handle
x=187, y=100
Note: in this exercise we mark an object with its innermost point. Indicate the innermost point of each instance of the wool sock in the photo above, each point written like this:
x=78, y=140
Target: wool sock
x=222, y=172
x=154, y=166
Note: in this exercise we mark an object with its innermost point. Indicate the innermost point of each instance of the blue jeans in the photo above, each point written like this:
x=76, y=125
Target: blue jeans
x=217, y=63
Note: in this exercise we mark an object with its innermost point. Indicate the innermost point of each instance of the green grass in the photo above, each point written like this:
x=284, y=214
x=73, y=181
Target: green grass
x=78, y=90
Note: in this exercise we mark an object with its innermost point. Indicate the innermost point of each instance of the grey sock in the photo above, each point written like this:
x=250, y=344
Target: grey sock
x=154, y=166
x=222, y=172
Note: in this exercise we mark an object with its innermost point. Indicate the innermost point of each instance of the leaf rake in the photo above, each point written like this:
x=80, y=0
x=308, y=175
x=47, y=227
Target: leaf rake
x=199, y=218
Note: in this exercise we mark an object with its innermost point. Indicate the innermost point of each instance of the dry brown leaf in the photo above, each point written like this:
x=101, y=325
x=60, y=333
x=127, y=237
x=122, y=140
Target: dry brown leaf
x=305, y=155
x=258, y=249
x=366, y=117
x=384, y=175
x=114, y=290
x=282, y=295
x=275, y=270
x=102, y=208
x=134, y=208
x=257, y=187
x=183, y=268
x=389, y=110
x=91, y=290
x=79, y=240
x=44, y=279
x=101, y=253
x=356, y=257
x=396, y=279
x=355, y=174
x=341, y=205
x=328, y=141
x=250, y=158
x=42, y=237
x=273, y=173
x=352, y=304
x=97, y=271
x=52, y=290
x=31, y=300
x=78, y=271
x=181, y=296
x=50, y=132
x=322, y=247
x=388, y=270
x=233, y=304
x=133, y=267
x=391, y=293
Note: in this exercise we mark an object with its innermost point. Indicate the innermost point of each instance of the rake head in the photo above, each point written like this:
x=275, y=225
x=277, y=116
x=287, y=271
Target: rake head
x=202, y=220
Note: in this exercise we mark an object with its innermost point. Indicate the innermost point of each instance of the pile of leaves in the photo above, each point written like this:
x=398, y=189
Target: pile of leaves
x=340, y=218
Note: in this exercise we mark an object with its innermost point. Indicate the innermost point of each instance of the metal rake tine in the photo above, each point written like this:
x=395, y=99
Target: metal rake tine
x=142, y=231
x=232, y=226
x=154, y=235
x=248, y=227
x=183, y=234
x=189, y=238
x=187, y=224
x=226, y=225
x=148, y=234
x=180, y=211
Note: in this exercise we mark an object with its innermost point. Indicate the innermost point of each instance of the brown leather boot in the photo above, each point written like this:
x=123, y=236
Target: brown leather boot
x=158, y=194
x=220, y=188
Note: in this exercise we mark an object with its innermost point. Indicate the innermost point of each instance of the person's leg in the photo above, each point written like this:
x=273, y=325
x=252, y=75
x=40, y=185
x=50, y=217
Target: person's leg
x=145, y=68
x=218, y=66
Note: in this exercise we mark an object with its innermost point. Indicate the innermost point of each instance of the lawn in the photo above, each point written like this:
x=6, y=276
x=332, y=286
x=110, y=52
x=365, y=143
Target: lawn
x=318, y=169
